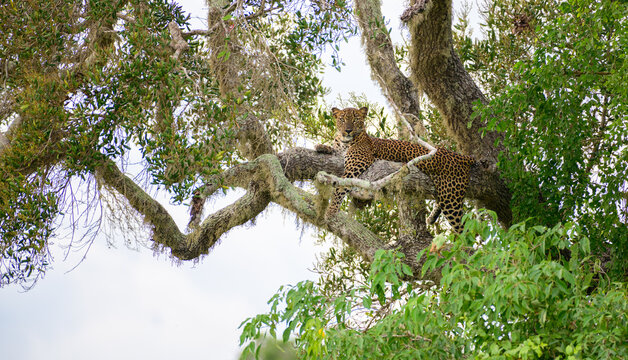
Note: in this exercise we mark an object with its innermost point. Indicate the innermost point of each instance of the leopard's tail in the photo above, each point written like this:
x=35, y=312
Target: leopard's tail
x=434, y=215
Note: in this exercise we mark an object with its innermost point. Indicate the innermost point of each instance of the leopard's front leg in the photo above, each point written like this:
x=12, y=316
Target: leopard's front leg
x=357, y=160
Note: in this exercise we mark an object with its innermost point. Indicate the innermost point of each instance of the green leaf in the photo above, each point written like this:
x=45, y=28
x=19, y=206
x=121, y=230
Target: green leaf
x=286, y=335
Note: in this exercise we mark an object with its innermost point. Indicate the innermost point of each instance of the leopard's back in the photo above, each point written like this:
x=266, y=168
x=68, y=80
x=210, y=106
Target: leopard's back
x=396, y=150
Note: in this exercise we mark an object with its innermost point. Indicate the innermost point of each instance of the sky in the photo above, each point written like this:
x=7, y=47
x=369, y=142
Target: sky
x=122, y=303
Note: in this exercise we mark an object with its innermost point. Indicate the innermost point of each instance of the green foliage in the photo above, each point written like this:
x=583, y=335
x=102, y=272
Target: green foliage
x=558, y=95
x=72, y=111
x=555, y=74
x=340, y=270
x=515, y=294
x=272, y=349
x=26, y=221
x=91, y=85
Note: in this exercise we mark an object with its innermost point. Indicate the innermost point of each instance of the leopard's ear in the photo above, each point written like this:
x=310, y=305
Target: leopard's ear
x=335, y=111
x=363, y=111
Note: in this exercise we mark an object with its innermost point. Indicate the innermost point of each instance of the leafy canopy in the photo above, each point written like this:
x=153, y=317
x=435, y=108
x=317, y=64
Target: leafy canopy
x=558, y=94
x=514, y=297
x=86, y=82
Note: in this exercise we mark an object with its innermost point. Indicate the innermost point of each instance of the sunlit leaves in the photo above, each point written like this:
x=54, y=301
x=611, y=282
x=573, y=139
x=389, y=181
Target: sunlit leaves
x=503, y=295
x=562, y=111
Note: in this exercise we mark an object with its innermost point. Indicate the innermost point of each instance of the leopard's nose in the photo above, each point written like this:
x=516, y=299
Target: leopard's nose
x=349, y=131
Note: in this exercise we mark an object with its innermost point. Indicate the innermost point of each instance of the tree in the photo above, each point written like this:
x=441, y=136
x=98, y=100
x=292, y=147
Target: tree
x=89, y=85
x=113, y=78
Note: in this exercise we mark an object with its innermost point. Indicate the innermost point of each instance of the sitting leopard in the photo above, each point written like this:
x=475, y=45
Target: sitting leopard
x=448, y=170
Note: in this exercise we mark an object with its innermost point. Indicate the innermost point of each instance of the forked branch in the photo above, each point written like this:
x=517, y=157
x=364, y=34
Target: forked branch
x=265, y=181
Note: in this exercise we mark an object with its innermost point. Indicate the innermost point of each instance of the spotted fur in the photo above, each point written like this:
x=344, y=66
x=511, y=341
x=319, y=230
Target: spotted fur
x=448, y=170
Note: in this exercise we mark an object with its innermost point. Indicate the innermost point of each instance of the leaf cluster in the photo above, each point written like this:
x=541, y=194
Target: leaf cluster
x=529, y=292
x=89, y=82
x=561, y=106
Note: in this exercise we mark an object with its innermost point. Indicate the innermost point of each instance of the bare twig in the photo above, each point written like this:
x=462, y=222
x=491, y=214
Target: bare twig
x=125, y=17
x=375, y=186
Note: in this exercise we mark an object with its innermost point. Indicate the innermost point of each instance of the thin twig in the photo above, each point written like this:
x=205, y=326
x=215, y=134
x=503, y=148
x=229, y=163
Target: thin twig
x=125, y=17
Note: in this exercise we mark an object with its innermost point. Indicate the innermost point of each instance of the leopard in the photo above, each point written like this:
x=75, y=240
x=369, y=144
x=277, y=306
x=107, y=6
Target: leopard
x=448, y=170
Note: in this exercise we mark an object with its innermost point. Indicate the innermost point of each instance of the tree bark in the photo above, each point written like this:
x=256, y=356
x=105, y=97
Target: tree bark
x=270, y=178
x=438, y=71
x=401, y=93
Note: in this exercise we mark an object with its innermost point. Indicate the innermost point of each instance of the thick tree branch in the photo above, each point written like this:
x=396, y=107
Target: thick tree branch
x=178, y=43
x=165, y=230
x=241, y=211
x=269, y=178
x=265, y=181
x=373, y=186
x=413, y=233
x=399, y=90
x=483, y=182
x=438, y=71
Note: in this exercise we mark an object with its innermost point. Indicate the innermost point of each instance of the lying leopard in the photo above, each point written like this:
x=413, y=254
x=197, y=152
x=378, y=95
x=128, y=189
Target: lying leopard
x=448, y=170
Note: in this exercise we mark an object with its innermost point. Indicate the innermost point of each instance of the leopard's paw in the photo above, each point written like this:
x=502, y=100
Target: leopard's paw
x=324, y=149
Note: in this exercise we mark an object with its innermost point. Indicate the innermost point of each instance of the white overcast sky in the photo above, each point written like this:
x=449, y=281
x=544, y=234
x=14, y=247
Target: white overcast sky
x=127, y=304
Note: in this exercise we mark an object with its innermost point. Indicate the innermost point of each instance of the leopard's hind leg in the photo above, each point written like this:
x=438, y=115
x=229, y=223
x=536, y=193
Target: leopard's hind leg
x=449, y=202
x=453, y=212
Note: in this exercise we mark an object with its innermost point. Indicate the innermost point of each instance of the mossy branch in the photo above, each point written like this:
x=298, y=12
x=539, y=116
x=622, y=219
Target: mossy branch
x=377, y=185
x=269, y=178
x=265, y=181
x=401, y=92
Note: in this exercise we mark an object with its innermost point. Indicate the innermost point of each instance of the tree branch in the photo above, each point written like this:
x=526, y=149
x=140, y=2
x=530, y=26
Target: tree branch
x=178, y=43
x=240, y=212
x=438, y=71
x=399, y=90
x=265, y=181
x=269, y=178
x=165, y=230
x=373, y=186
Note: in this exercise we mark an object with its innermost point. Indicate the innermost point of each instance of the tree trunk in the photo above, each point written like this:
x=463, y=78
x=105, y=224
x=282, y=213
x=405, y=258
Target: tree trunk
x=437, y=71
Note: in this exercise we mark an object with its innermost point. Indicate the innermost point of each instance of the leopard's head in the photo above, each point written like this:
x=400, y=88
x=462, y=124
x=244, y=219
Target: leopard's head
x=349, y=122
